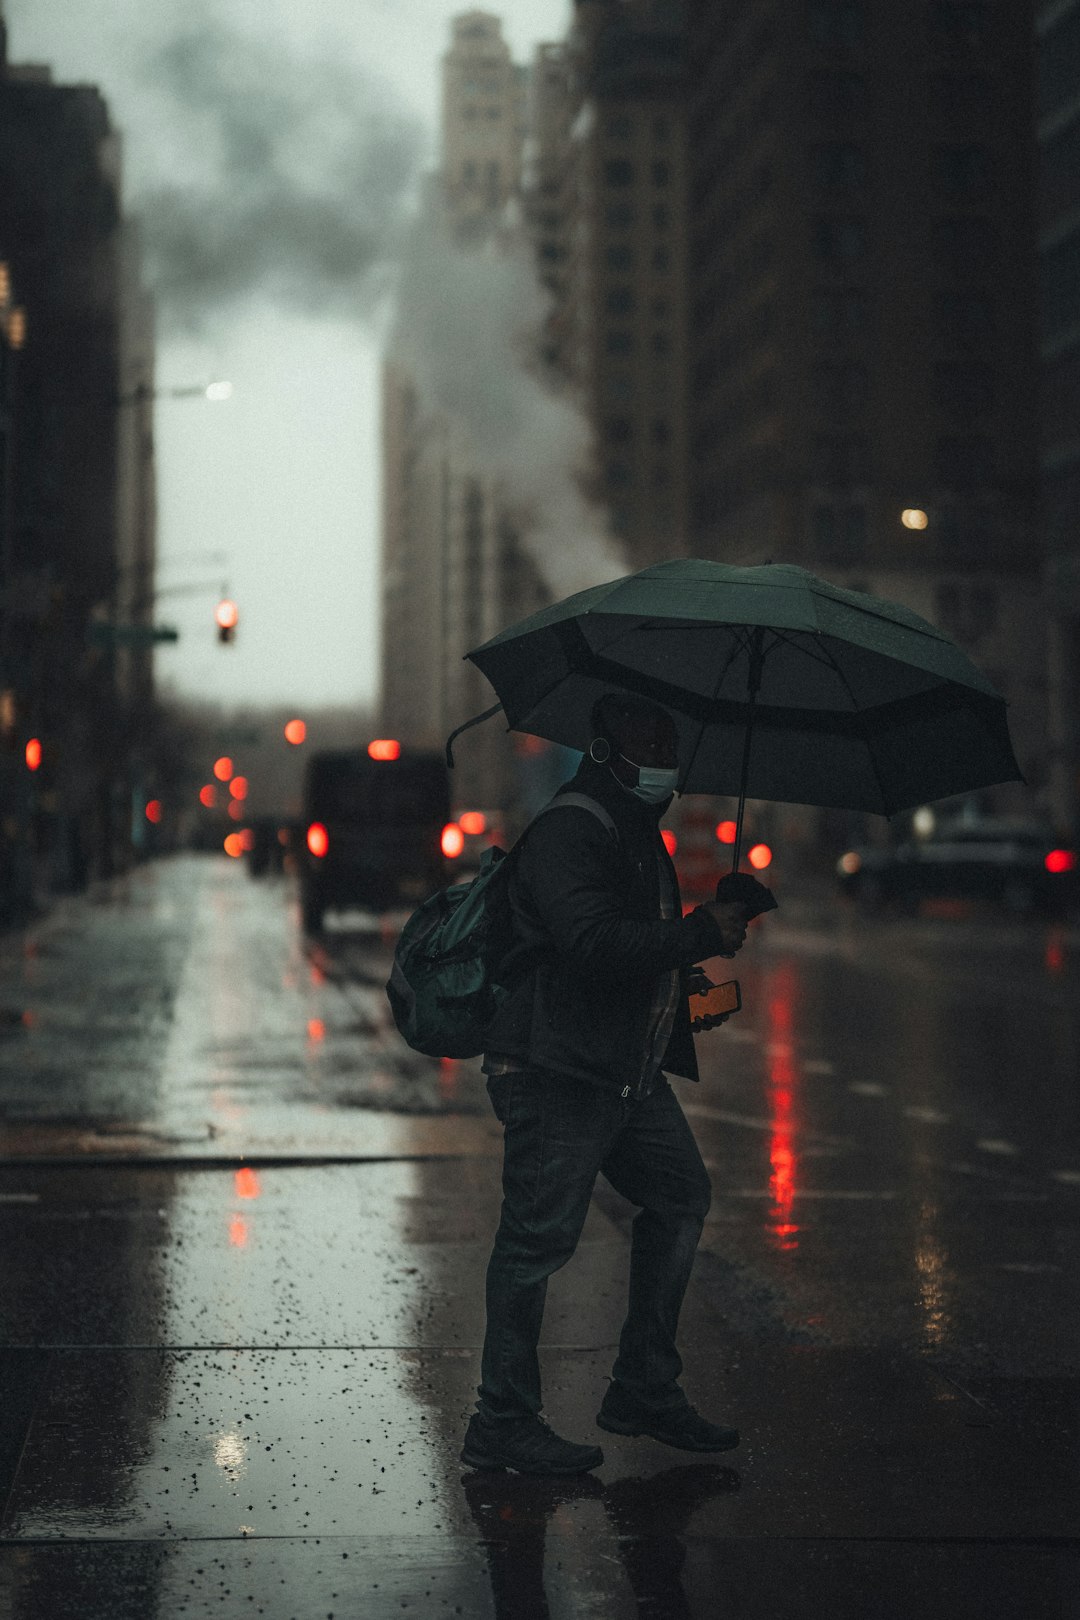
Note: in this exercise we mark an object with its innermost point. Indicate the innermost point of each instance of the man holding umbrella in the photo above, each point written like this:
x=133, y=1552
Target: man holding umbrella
x=600, y=966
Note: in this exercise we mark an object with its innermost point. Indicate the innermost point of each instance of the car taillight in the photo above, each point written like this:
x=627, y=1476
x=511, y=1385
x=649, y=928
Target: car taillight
x=452, y=841
x=318, y=839
x=1060, y=860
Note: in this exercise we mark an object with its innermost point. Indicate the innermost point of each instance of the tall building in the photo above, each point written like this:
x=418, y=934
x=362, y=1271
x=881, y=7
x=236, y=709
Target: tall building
x=80, y=542
x=455, y=569
x=1058, y=128
x=607, y=193
x=862, y=376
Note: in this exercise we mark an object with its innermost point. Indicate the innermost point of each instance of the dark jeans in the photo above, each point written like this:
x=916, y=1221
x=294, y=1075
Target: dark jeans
x=558, y=1133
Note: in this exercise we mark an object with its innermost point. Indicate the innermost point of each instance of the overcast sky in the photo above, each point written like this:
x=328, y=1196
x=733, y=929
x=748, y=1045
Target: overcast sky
x=271, y=211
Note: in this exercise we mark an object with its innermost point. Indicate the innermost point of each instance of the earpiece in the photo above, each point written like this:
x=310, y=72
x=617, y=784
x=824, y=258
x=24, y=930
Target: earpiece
x=599, y=750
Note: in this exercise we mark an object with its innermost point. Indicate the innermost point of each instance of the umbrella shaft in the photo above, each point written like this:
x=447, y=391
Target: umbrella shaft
x=753, y=682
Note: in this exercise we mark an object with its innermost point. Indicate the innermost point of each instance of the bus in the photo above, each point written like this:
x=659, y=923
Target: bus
x=372, y=829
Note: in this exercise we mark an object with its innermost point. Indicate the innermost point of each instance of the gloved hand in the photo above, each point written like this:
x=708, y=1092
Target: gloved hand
x=747, y=891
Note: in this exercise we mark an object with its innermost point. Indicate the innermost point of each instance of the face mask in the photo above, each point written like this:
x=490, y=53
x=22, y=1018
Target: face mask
x=654, y=784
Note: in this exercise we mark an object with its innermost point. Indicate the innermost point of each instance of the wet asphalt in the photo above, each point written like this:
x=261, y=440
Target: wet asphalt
x=243, y=1234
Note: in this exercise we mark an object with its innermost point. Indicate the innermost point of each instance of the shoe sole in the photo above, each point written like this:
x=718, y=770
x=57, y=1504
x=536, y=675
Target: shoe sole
x=616, y=1426
x=473, y=1459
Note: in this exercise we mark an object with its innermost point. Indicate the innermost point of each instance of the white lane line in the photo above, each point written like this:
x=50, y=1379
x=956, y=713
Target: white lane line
x=926, y=1116
x=744, y=1035
x=751, y=1122
x=20, y=1198
x=1068, y=1178
x=867, y=1088
x=818, y=1066
x=995, y=1144
x=1028, y=1269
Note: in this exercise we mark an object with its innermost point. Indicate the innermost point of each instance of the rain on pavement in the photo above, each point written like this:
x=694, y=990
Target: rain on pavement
x=245, y=1233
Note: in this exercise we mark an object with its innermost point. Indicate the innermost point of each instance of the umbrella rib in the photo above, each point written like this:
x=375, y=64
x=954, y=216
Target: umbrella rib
x=741, y=644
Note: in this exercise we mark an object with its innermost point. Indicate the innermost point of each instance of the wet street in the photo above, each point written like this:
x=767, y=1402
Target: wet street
x=242, y=1271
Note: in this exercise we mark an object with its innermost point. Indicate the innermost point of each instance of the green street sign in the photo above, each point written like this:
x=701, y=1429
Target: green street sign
x=131, y=635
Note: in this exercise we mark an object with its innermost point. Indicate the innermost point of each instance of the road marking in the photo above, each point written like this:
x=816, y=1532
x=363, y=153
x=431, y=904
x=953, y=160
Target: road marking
x=1027, y=1269
x=821, y=1194
x=818, y=1066
x=744, y=1035
x=1068, y=1178
x=994, y=1144
x=868, y=1088
x=926, y=1116
x=20, y=1198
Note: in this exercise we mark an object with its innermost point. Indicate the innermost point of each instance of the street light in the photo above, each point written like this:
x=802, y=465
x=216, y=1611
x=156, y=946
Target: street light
x=227, y=617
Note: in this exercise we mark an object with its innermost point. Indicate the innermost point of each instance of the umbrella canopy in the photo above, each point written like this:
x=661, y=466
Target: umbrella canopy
x=846, y=700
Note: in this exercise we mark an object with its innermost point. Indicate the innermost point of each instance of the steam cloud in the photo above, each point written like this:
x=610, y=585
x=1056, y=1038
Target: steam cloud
x=297, y=177
x=299, y=184
x=466, y=323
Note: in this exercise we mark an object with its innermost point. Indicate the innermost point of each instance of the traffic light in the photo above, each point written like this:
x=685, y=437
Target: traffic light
x=227, y=617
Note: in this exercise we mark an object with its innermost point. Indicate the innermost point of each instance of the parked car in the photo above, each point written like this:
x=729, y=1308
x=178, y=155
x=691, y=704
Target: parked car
x=373, y=827
x=1013, y=863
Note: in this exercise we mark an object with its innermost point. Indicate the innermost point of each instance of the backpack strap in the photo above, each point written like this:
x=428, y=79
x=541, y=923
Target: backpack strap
x=580, y=801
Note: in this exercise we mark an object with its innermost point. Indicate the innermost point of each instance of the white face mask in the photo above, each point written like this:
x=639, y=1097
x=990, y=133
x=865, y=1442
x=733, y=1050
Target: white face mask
x=655, y=783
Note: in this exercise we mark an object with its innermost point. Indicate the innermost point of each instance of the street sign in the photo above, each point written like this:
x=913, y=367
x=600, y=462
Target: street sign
x=131, y=635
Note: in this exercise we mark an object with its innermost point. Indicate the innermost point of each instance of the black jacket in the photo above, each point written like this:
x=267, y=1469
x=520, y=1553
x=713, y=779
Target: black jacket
x=589, y=941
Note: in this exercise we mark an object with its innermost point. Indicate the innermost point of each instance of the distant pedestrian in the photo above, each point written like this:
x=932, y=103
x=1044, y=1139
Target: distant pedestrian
x=600, y=968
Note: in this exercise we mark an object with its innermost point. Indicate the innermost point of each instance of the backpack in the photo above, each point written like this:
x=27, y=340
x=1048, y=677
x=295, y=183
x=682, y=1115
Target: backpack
x=444, y=988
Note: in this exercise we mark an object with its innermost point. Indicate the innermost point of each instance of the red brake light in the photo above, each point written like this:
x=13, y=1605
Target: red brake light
x=671, y=843
x=384, y=748
x=472, y=822
x=153, y=811
x=726, y=831
x=318, y=839
x=452, y=841
x=1060, y=860
x=759, y=857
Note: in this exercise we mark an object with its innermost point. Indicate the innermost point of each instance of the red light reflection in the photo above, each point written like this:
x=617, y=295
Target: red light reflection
x=238, y=1232
x=782, y=1080
x=246, y=1182
x=316, y=1029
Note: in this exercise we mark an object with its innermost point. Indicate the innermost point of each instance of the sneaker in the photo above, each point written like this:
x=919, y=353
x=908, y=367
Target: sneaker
x=680, y=1426
x=526, y=1445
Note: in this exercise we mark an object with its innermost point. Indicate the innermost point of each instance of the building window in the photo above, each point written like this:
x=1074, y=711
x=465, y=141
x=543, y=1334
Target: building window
x=962, y=171
x=964, y=462
x=964, y=390
x=835, y=94
x=661, y=172
x=837, y=24
x=839, y=532
x=620, y=301
x=960, y=24
x=619, y=340
x=619, y=216
x=839, y=241
x=619, y=257
x=839, y=314
x=841, y=458
x=965, y=245
x=839, y=388
x=618, y=172
x=838, y=163
x=964, y=319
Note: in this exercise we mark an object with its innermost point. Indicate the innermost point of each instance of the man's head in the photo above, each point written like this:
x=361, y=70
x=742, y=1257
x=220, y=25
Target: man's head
x=629, y=732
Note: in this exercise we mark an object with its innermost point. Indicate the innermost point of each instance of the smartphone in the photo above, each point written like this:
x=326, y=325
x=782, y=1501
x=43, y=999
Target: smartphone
x=722, y=998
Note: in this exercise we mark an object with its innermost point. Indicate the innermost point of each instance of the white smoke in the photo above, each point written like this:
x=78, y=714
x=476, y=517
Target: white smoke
x=467, y=329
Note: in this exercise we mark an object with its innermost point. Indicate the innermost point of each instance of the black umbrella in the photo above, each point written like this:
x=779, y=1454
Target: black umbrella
x=782, y=686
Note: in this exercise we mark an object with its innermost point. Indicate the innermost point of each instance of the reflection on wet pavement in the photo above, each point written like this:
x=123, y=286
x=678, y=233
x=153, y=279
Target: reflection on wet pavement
x=242, y=1242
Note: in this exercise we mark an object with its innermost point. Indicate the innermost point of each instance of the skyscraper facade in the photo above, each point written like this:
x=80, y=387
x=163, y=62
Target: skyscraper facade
x=1058, y=128
x=862, y=377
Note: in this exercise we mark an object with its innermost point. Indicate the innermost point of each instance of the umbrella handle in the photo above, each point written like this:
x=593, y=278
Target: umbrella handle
x=475, y=721
x=753, y=684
